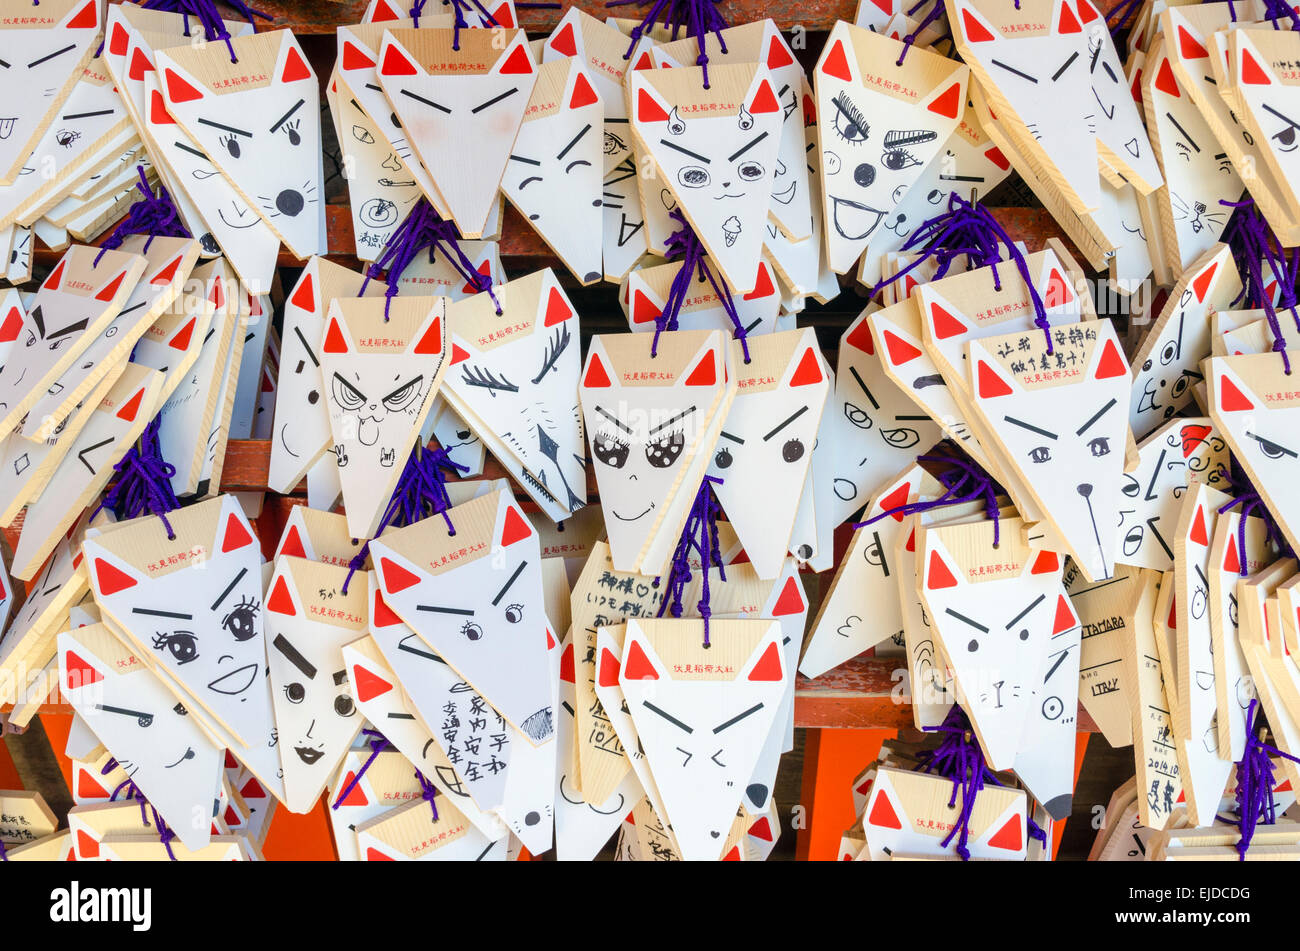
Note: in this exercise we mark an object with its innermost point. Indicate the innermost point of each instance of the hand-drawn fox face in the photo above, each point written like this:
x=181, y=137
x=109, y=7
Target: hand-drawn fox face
x=370, y=397
x=319, y=707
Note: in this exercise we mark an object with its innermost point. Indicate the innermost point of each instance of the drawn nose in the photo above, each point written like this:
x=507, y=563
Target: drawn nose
x=1084, y=489
x=289, y=202
x=310, y=728
x=865, y=174
x=726, y=184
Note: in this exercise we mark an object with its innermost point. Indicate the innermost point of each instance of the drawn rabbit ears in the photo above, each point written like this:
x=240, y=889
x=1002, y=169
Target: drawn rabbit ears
x=141, y=553
x=750, y=650
x=685, y=359
x=402, y=325
x=926, y=80
x=1030, y=18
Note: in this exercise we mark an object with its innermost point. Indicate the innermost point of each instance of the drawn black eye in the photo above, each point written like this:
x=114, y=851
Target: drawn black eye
x=182, y=645
x=295, y=692
x=663, y=452
x=858, y=417
x=1024, y=633
x=898, y=160
x=292, y=131
x=241, y=621
x=514, y=613
x=343, y=706
x=471, y=630
x=1286, y=139
x=792, y=451
x=749, y=171
x=1270, y=449
x=973, y=646
x=31, y=339
x=231, y=144
x=1099, y=446
x=722, y=459
x=347, y=395
x=693, y=176
x=612, y=452
x=1168, y=352
x=848, y=121
x=403, y=396
x=1040, y=454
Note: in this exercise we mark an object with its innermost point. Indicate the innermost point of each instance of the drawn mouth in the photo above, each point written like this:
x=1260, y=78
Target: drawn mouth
x=634, y=517
x=284, y=440
x=230, y=224
x=854, y=220
x=7, y=127
x=722, y=196
x=784, y=197
x=308, y=755
x=368, y=430
x=188, y=754
x=235, y=682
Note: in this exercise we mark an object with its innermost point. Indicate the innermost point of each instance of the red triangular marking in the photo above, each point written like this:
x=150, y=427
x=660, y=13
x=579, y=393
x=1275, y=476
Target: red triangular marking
x=990, y=383
x=643, y=311
x=140, y=65
x=353, y=58
x=769, y=665
x=809, y=370
x=294, y=67
x=384, y=616
x=1087, y=12
x=131, y=407
x=1202, y=283
x=945, y=324
x=396, y=578
x=564, y=43
x=638, y=664
x=762, y=284
x=86, y=19
x=1197, y=534
x=182, y=339
x=733, y=855
x=583, y=94
x=111, y=578
x=88, y=787
x=1251, y=71
x=1068, y=23
x=167, y=274
x=567, y=672
x=178, y=90
x=1231, y=563
x=86, y=845
x=596, y=376
x=1231, y=399
x=791, y=600
x=997, y=158
x=368, y=684
x=837, y=64
x=1064, y=619
x=883, y=815
x=608, y=668
x=900, y=351
x=304, y=295
x=119, y=41
x=253, y=790
x=1189, y=46
x=280, y=602
x=948, y=103
x=860, y=337
x=515, y=527
x=356, y=796
x=896, y=499
x=431, y=342
x=110, y=289
x=518, y=62
x=374, y=855
x=777, y=54
x=293, y=544
x=236, y=535
x=12, y=324
x=940, y=576
x=385, y=11
x=158, y=113
x=1010, y=836
x=1112, y=364
x=975, y=30
x=647, y=110
x=458, y=354
x=334, y=339
x=395, y=64
x=86, y=674
x=557, y=309
x=762, y=829
x=764, y=100
x=1165, y=81
x=1045, y=563
x=705, y=373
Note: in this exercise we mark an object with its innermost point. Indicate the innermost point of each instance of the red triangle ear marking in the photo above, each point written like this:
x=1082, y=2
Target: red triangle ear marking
x=131, y=406
x=431, y=342
x=236, y=535
x=178, y=90
x=764, y=100
x=896, y=499
x=88, y=787
x=567, y=670
x=1231, y=561
x=1068, y=23
x=518, y=62
x=1111, y=363
x=1010, y=836
x=395, y=64
x=1198, y=533
x=1165, y=81
x=356, y=795
x=557, y=309
x=383, y=615
x=995, y=156
x=368, y=683
x=353, y=58
x=1189, y=46
x=304, y=296
x=597, y=376
x=182, y=339
x=111, y=578
x=13, y=323
x=158, y=113
x=515, y=527
x=374, y=855
x=837, y=64
x=777, y=54
x=1045, y=563
x=763, y=286
x=791, y=600
x=733, y=855
x=883, y=815
x=976, y=32
x=768, y=667
x=705, y=373
x=52, y=282
x=940, y=576
x=1065, y=618
x=335, y=342
x=945, y=324
x=86, y=19
x=643, y=311
x=280, y=600
x=1231, y=399
x=608, y=668
x=809, y=370
x=761, y=829
x=1202, y=283
x=86, y=845
x=396, y=578
x=85, y=673
x=253, y=790
x=990, y=384
x=900, y=351
x=167, y=274
x=583, y=94
x=948, y=103
x=293, y=544
x=860, y=337
x=1087, y=12
x=140, y=65
x=1251, y=71
x=1058, y=291
x=295, y=68
x=647, y=109
x=564, y=42
x=458, y=354
x=638, y=666
x=109, y=290
x=119, y=41
x=384, y=11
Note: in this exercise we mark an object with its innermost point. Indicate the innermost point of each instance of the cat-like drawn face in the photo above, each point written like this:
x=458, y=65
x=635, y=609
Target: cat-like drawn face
x=319, y=707
x=368, y=399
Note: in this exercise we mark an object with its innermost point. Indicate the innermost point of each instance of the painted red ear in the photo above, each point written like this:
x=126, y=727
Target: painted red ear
x=1011, y=836
x=1165, y=81
x=280, y=600
x=396, y=578
x=131, y=406
x=503, y=16
x=900, y=351
x=13, y=323
x=733, y=855
x=809, y=370
x=1111, y=363
x=764, y=100
x=1068, y=22
x=356, y=795
x=883, y=814
x=140, y=64
x=178, y=90
x=1045, y=563
x=1065, y=618
x=1201, y=285
x=1231, y=562
x=87, y=17
x=353, y=58
x=118, y=41
x=1251, y=71
x=609, y=665
x=1189, y=46
x=384, y=11
x=87, y=786
x=109, y=290
x=647, y=109
x=597, y=376
x=837, y=64
x=860, y=338
x=778, y=54
x=705, y=372
x=431, y=342
x=637, y=665
x=567, y=673
x=374, y=855
x=295, y=68
x=948, y=103
x=217, y=296
x=768, y=667
x=1231, y=399
x=976, y=32
x=896, y=499
x=761, y=829
x=945, y=324
x=183, y=336
x=583, y=94
x=236, y=535
x=86, y=845
x=643, y=309
x=990, y=384
x=293, y=544
x=791, y=600
x=396, y=64
x=1198, y=533
x=85, y=673
x=1058, y=291
x=304, y=295
x=643, y=62
x=557, y=309
x=763, y=286
x=995, y=156
x=940, y=575
x=1172, y=620
x=368, y=684
x=564, y=42
x=514, y=527
x=458, y=354
x=335, y=342
x=168, y=274
x=52, y=282
x=383, y=615
x=111, y=578
x=158, y=113
x=518, y=62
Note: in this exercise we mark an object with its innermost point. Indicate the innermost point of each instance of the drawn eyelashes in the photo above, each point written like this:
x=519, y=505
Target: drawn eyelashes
x=182, y=645
x=661, y=452
x=849, y=122
x=231, y=144
x=559, y=343
x=1272, y=449
x=478, y=376
x=241, y=621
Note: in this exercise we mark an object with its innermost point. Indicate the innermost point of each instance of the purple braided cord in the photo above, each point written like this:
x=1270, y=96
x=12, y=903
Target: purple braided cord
x=205, y=11
x=143, y=485
x=959, y=473
x=1255, y=800
x=699, y=535
x=421, y=491
x=685, y=245
x=1251, y=504
x=165, y=833
x=699, y=17
x=155, y=216
x=378, y=743
x=424, y=229
x=1253, y=244
x=1124, y=12
x=429, y=792
x=936, y=11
